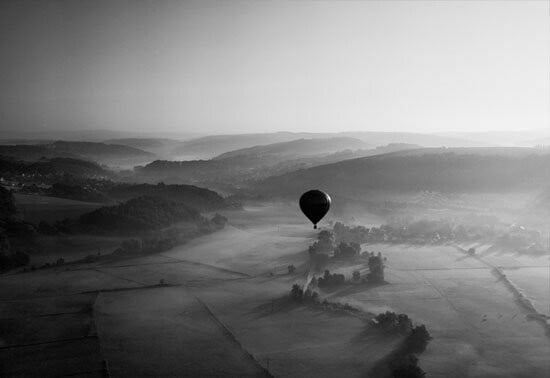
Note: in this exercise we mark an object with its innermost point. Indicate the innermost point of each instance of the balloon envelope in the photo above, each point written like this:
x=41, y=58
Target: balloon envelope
x=315, y=204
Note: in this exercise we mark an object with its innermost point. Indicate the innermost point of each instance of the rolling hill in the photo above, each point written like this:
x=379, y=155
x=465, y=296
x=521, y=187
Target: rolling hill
x=138, y=215
x=235, y=169
x=295, y=149
x=443, y=170
x=162, y=147
x=211, y=146
x=201, y=199
x=59, y=166
x=111, y=154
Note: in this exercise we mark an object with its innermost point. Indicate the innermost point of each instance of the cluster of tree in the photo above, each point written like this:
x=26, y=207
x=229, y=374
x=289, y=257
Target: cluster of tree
x=45, y=170
x=330, y=280
x=346, y=251
x=343, y=233
x=312, y=297
x=404, y=363
x=138, y=215
x=76, y=179
x=376, y=267
x=297, y=294
x=324, y=243
x=13, y=252
x=433, y=231
x=76, y=192
x=94, y=151
x=318, y=251
x=393, y=323
x=201, y=199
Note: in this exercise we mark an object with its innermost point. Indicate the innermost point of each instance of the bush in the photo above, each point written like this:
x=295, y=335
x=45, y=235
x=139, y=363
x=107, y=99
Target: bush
x=219, y=220
x=393, y=323
x=418, y=339
x=7, y=204
x=324, y=243
x=291, y=269
x=318, y=261
x=345, y=250
x=376, y=268
x=331, y=280
x=296, y=293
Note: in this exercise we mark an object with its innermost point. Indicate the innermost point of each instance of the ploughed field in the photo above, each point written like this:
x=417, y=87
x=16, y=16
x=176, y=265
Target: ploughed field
x=216, y=306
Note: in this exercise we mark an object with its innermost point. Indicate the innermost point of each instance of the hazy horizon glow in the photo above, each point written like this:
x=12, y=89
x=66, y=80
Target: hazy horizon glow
x=231, y=67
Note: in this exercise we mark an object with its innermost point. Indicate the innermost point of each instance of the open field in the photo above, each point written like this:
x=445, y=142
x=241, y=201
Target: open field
x=168, y=332
x=72, y=247
x=478, y=328
x=224, y=292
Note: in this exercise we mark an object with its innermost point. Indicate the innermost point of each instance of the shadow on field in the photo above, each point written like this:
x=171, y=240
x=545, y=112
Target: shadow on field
x=384, y=367
x=279, y=305
x=370, y=334
x=353, y=289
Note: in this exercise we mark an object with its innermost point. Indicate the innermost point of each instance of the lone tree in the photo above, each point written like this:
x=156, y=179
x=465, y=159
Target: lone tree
x=356, y=275
x=376, y=268
x=291, y=269
x=296, y=293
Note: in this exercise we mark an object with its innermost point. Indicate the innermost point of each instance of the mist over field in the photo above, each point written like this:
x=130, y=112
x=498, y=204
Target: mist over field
x=275, y=189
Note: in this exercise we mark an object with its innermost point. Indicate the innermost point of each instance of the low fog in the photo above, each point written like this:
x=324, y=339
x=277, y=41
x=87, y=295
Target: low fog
x=309, y=189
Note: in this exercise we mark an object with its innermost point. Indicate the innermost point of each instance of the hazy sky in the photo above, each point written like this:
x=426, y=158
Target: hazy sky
x=232, y=66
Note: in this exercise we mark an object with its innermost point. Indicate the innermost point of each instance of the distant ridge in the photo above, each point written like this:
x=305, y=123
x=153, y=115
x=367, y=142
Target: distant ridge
x=297, y=148
x=214, y=145
x=98, y=152
x=444, y=170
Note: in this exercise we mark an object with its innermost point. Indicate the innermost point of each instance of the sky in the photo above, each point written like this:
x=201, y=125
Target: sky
x=233, y=67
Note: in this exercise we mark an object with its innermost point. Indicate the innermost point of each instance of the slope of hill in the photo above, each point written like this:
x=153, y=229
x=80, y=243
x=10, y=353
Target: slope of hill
x=198, y=198
x=236, y=168
x=100, y=152
x=161, y=147
x=445, y=170
x=52, y=167
x=138, y=215
x=296, y=148
x=427, y=140
x=210, y=146
x=518, y=138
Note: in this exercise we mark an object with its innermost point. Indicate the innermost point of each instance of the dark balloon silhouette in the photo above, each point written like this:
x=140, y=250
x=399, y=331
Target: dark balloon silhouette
x=315, y=204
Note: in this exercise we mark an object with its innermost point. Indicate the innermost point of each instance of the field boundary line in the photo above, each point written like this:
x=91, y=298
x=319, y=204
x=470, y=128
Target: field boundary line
x=232, y=337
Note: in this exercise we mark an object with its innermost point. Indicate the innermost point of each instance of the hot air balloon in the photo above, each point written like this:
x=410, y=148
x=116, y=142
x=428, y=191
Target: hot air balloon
x=315, y=204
